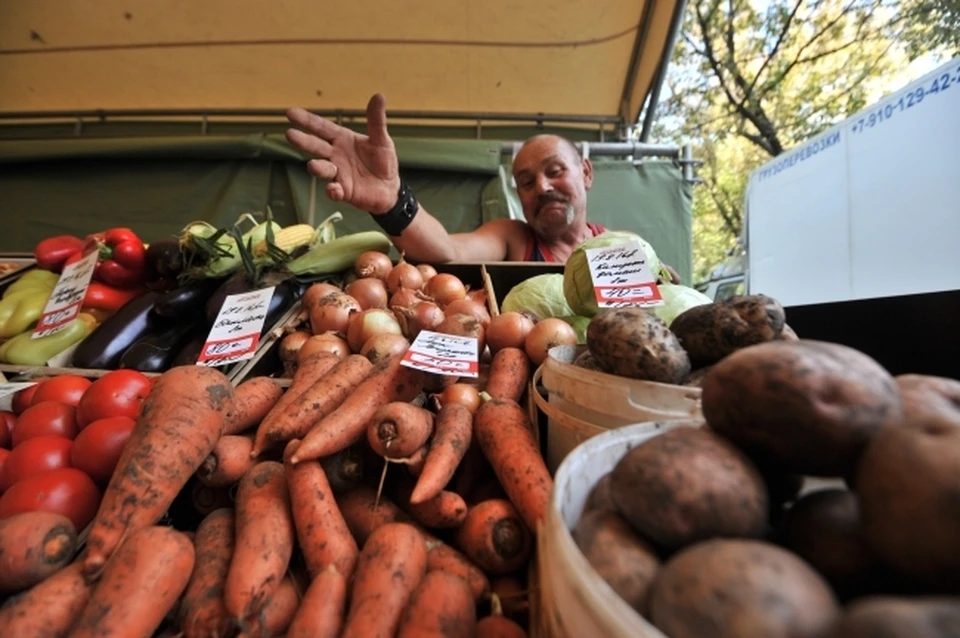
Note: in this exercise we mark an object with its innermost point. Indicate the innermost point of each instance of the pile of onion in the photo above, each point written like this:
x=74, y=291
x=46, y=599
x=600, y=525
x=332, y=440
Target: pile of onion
x=508, y=330
x=373, y=264
x=369, y=324
x=444, y=289
x=404, y=275
x=332, y=313
x=369, y=292
x=546, y=334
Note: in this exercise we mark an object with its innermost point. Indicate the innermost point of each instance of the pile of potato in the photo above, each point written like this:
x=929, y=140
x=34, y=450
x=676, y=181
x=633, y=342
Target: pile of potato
x=705, y=529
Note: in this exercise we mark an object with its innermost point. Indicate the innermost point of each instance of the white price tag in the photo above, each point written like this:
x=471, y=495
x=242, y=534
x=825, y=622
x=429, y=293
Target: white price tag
x=236, y=332
x=67, y=297
x=443, y=354
x=621, y=277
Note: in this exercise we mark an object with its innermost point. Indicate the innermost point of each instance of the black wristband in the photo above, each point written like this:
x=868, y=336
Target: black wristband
x=401, y=215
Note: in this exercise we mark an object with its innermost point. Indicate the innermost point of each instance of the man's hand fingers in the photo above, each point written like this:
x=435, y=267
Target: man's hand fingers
x=377, y=120
x=309, y=144
x=335, y=191
x=314, y=123
x=324, y=169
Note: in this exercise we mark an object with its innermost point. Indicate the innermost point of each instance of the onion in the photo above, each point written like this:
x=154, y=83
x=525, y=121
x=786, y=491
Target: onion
x=373, y=263
x=369, y=292
x=426, y=315
x=331, y=342
x=468, y=307
x=318, y=291
x=508, y=330
x=404, y=275
x=427, y=271
x=404, y=298
x=465, y=326
x=289, y=349
x=384, y=345
x=332, y=313
x=370, y=323
x=444, y=289
x=547, y=334
x=479, y=295
x=462, y=393
x=532, y=316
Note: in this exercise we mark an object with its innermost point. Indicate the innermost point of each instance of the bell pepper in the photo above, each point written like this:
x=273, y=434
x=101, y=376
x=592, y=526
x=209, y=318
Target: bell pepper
x=25, y=351
x=122, y=258
x=52, y=253
x=23, y=303
x=31, y=280
x=100, y=296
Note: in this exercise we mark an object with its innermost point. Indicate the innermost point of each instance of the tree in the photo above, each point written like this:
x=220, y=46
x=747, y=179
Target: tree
x=931, y=25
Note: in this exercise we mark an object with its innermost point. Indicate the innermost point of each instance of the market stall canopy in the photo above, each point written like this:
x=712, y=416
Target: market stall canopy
x=598, y=61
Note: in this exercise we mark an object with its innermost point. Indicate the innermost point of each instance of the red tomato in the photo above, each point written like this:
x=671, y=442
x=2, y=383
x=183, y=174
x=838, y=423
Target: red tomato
x=66, y=491
x=46, y=418
x=22, y=399
x=98, y=447
x=67, y=389
x=7, y=421
x=117, y=393
x=36, y=455
x=3, y=459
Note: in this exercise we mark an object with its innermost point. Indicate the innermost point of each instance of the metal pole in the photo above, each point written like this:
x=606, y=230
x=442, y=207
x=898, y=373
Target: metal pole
x=616, y=149
x=675, y=24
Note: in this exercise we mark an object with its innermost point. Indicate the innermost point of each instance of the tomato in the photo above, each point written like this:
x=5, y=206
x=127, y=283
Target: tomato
x=67, y=389
x=66, y=491
x=22, y=399
x=117, y=393
x=98, y=447
x=36, y=455
x=3, y=459
x=7, y=421
x=46, y=418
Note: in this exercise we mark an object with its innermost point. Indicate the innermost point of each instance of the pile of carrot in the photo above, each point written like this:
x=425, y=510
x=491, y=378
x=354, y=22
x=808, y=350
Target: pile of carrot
x=360, y=505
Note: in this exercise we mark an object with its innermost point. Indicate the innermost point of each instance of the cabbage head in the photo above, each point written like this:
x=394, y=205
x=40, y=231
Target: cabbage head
x=542, y=295
x=577, y=282
x=677, y=300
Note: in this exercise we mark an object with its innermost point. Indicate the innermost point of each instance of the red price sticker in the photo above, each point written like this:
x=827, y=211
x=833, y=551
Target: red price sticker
x=67, y=297
x=621, y=277
x=443, y=354
x=216, y=352
x=235, y=334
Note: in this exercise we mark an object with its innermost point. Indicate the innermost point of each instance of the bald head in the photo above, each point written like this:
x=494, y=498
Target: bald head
x=556, y=141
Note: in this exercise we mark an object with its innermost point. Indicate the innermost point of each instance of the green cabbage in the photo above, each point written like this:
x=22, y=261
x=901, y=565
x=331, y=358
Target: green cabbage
x=579, y=325
x=677, y=300
x=577, y=282
x=542, y=295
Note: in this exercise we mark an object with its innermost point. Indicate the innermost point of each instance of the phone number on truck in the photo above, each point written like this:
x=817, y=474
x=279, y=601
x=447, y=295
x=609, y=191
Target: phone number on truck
x=906, y=101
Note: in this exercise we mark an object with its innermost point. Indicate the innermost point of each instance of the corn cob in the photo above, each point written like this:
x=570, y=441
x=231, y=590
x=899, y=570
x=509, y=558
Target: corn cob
x=339, y=254
x=287, y=239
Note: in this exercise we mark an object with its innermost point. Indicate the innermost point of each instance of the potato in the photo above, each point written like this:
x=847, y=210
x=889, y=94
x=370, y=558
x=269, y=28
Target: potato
x=890, y=617
x=697, y=376
x=809, y=405
x=635, y=343
x=909, y=487
x=586, y=360
x=712, y=331
x=599, y=497
x=624, y=560
x=927, y=396
x=735, y=588
x=687, y=485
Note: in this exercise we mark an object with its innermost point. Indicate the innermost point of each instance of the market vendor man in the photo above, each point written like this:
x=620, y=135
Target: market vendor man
x=362, y=170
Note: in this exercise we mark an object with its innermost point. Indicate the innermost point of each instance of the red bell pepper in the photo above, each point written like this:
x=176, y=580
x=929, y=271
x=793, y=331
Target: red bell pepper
x=122, y=258
x=52, y=253
x=100, y=296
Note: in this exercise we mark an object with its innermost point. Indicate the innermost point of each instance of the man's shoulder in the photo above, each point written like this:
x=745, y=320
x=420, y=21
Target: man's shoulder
x=506, y=227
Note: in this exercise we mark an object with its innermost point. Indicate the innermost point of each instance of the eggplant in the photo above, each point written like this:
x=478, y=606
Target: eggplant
x=156, y=352
x=285, y=294
x=190, y=352
x=104, y=346
x=163, y=260
x=187, y=300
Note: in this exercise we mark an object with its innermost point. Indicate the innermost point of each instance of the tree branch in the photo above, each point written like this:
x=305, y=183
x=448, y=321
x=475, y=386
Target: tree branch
x=776, y=45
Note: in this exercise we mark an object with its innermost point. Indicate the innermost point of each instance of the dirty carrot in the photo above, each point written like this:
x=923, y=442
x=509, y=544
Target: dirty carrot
x=254, y=398
x=264, y=541
x=228, y=462
x=453, y=430
x=495, y=537
x=388, y=381
x=502, y=429
x=443, y=511
x=442, y=606
x=33, y=545
x=415, y=461
x=202, y=613
x=321, y=531
x=496, y=625
x=140, y=584
x=277, y=614
x=391, y=565
x=314, y=402
x=509, y=373
x=398, y=429
x=322, y=609
x=179, y=424
x=48, y=609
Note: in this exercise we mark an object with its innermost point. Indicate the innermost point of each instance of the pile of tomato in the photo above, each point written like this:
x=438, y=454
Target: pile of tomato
x=62, y=439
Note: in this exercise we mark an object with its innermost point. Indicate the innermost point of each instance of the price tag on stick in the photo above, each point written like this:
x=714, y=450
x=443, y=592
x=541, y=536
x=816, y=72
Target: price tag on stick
x=622, y=278
x=67, y=296
x=443, y=354
x=236, y=332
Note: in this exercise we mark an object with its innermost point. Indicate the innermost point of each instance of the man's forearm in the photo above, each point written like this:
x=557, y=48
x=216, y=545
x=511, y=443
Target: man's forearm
x=426, y=240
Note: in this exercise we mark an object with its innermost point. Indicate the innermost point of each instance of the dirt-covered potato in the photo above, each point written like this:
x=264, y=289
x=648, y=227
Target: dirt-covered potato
x=712, y=331
x=734, y=588
x=599, y=497
x=635, y=343
x=687, y=485
x=586, y=360
x=809, y=405
x=787, y=334
x=926, y=396
x=697, y=376
x=909, y=487
x=891, y=617
x=624, y=560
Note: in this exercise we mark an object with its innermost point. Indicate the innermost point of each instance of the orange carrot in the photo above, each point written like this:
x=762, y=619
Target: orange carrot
x=323, y=534
x=496, y=625
x=228, y=462
x=391, y=565
x=503, y=431
x=509, y=374
x=277, y=614
x=388, y=381
x=180, y=423
x=322, y=608
x=255, y=398
x=33, y=545
x=314, y=402
x=264, y=542
x=442, y=606
x=453, y=431
x=415, y=461
x=48, y=609
x=445, y=558
x=398, y=429
x=495, y=538
x=443, y=511
x=202, y=611
x=140, y=584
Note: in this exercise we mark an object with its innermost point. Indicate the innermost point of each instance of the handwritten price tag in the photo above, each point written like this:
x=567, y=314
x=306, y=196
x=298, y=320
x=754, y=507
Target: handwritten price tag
x=236, y=332
x=67, y=297
x=621, y=277
x=443, y=354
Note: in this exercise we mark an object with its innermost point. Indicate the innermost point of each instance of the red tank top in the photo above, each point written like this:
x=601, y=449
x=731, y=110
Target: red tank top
x=536, y=251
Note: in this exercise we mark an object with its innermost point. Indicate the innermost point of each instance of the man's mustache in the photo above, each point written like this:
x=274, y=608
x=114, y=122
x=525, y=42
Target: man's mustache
x=550, y=198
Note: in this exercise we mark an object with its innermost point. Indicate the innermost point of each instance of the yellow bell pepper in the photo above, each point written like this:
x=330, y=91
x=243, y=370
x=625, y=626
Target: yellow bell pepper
x=32, y=280
x=24, y=351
